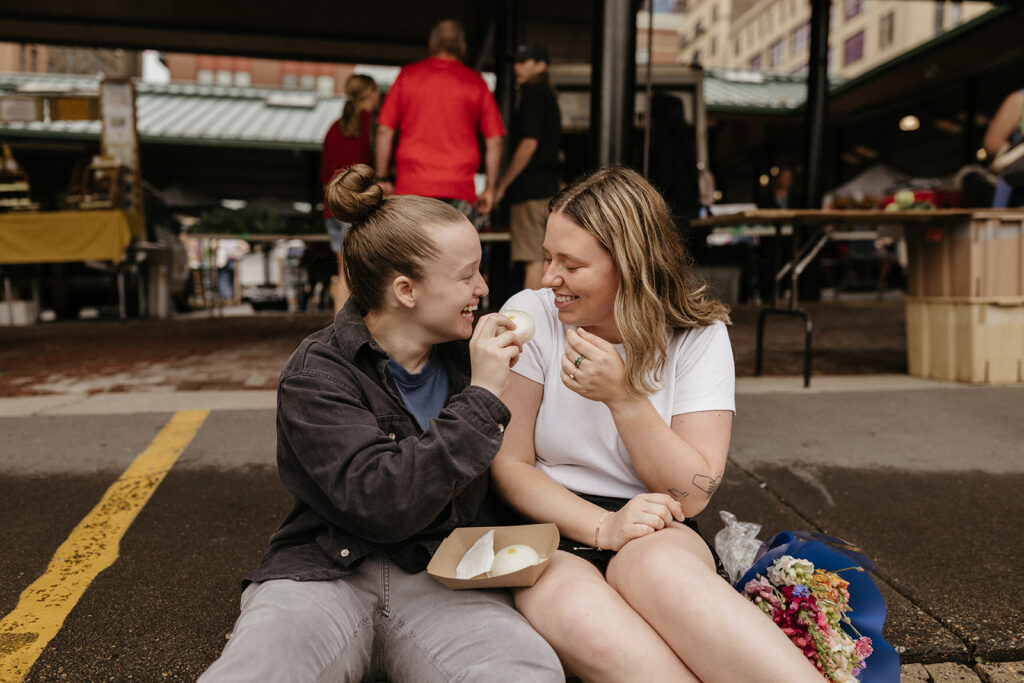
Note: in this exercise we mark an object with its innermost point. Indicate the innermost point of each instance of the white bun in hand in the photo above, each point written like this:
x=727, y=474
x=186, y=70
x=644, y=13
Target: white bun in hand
x=512, y=558
x=524, y=325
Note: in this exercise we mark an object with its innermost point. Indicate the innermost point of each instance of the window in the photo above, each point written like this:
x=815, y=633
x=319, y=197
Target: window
x=325, y=86
x=735, y=48
x=289, y=81
x=800, y=39
x=776, y=53
x=887, y=29
x=243, y=79
x=714, y=13
x=204, y=76
x=853, y=8
x=755, y=62
x=939, y=17
x=224, y=77
x=307, y=81
x=853, y=48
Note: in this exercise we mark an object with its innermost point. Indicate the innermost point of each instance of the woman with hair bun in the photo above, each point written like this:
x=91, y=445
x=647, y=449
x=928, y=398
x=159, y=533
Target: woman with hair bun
x=387, y=423
x=622, y=408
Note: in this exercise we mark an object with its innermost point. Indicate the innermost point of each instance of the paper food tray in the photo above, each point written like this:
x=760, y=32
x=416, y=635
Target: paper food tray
x=541, y=537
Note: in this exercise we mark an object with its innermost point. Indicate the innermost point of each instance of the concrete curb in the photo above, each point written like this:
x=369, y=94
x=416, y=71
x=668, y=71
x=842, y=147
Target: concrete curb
x=839, y=383
x=137, y=402
x=166, y=399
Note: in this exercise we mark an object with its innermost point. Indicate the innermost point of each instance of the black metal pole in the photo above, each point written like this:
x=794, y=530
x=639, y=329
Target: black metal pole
x=817, y=103
x=612, y=81
x=972, y=137
x=506, y=39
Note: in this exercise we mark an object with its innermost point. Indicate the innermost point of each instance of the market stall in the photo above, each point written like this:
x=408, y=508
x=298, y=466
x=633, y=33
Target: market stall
x=102, y=217
x=965, y=285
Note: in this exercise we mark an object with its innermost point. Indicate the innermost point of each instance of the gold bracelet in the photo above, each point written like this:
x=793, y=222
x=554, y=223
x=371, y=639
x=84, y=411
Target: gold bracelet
x=597, y=530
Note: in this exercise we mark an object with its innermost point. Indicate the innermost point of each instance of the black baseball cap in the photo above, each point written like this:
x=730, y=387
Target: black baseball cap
x=531, y=51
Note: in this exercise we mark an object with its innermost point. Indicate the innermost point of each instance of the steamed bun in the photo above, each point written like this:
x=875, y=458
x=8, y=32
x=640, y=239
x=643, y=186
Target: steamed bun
x=512, y=558
x=524, y=325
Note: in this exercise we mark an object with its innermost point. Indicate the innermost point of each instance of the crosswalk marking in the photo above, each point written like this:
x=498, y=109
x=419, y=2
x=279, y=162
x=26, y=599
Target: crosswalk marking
x=91, y=547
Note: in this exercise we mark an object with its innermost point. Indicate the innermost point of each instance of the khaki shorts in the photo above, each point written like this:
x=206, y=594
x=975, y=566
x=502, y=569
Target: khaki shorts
x=528, y=221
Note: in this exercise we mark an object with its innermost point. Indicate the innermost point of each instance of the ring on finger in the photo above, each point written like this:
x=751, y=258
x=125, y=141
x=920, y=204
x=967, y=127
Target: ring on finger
x=579, y=359
x=572, y=377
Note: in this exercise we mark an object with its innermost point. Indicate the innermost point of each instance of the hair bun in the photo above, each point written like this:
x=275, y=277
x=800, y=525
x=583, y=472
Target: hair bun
x=353, y=194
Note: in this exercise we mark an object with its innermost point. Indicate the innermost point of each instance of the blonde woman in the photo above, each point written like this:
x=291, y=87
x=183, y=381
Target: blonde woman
x=387, y=422
x=622, y=409
x=348, y=142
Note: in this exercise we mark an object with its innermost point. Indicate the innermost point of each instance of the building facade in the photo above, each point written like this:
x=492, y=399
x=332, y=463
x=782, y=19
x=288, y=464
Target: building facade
x=664, y=37
x=58, y=59
x=775, y=35
x=326, y=79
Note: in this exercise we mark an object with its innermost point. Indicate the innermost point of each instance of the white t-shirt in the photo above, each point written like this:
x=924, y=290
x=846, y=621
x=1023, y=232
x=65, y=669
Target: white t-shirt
x=576, y=441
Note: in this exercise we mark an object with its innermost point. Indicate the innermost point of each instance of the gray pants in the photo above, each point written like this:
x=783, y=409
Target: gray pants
x=379, y=623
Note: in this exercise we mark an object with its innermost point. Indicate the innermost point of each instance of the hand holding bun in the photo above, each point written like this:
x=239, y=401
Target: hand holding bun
x=524, y=325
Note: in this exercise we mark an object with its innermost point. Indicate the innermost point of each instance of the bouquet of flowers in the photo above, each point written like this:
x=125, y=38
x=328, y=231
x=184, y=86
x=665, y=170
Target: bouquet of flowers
x=809, y=605
x=829, y=609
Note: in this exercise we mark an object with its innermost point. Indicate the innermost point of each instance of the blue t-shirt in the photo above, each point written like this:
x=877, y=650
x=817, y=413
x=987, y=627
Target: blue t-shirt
x=425, y=392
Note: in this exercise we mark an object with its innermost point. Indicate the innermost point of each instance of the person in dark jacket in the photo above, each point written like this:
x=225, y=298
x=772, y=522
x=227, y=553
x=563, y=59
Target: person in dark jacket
x=387, y=424
x=532, y=176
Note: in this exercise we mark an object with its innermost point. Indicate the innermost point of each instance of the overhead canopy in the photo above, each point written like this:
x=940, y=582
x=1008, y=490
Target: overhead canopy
x=381, y=32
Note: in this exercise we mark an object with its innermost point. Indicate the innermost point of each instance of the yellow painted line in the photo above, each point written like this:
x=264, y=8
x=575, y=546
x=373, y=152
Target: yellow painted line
x=91, y=547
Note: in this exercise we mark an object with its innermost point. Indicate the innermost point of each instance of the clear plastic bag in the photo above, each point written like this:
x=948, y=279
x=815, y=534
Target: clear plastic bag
x=737, y=545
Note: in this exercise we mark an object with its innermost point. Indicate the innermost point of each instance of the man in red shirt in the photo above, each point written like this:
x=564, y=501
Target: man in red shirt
x=437, y=106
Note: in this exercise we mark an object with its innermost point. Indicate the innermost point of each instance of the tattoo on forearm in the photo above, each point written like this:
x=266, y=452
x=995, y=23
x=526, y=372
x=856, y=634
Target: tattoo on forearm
x=677, y=494
x=707, y=484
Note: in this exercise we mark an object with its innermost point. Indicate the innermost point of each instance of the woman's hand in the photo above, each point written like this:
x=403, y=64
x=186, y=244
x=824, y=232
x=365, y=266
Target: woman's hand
x=643, y=515
x=600, y=374
x=492, y=357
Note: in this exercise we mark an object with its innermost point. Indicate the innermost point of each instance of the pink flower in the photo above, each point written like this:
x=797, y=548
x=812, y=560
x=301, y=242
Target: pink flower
x=862, y=648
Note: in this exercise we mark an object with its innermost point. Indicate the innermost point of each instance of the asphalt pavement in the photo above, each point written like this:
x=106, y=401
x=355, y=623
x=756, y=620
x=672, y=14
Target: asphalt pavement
x=924, y=476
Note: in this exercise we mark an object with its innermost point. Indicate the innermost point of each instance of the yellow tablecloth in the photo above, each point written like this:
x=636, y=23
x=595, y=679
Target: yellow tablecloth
x=62, y=236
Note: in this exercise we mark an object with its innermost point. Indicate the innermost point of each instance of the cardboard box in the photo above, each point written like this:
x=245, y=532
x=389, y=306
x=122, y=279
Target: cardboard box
x=979, y=256
x=966, y=339
x=541, y=537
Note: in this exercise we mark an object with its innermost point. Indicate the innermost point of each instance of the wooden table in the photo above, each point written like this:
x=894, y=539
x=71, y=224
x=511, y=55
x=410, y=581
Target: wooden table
x=68, y=236
x=973, y=253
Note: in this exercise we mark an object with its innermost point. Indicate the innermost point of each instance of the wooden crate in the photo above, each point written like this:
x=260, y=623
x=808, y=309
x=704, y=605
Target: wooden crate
x=979, y=256
x=966, y=339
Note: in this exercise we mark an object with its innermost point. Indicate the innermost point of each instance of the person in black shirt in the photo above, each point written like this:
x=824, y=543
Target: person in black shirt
x=531, y=178
x=387, y=423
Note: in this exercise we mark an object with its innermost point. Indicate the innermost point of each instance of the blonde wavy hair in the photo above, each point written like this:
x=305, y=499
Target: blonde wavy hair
x=659, y=291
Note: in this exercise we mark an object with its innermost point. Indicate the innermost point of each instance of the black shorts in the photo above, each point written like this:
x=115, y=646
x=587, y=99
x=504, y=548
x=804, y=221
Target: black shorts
x=601, y=558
